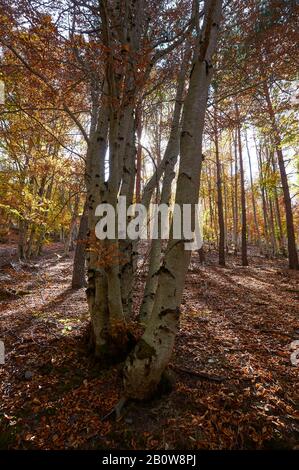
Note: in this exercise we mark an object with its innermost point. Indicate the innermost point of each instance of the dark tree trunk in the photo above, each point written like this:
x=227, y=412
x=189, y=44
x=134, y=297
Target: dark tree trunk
x=236, y=205
x=262, y=187
x=292, y=249
x=253, y=196
x=281, y=238
x=139, y=155
x=220, y=199
x=243, y=196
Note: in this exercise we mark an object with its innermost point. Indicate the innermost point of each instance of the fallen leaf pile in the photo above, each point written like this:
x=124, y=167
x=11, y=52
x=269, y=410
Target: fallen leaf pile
x=236, y=387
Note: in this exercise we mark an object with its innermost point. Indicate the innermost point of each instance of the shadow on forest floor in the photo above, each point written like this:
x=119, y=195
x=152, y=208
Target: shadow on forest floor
x=235, y=384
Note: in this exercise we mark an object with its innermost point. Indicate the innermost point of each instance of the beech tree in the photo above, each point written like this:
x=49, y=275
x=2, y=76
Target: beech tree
x=117, y=107
x=145, y=365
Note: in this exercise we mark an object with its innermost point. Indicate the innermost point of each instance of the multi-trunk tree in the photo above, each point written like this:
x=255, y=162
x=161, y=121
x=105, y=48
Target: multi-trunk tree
x=124, y=92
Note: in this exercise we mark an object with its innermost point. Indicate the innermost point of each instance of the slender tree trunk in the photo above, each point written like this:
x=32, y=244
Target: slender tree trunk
x=272, y=226
x=70, y=236
x=215, y=212
x=211, y=223
x=139, y=154
x=243, y=194
x=233, y=228
x=292, y=249
x=29, y=244
x=110, y=336
x=79, y=276
x=128, y=247
x=22, y=242
x=170, y=159
x=225, y=196
x=256, y=225
x=262, y=187
x=236, y=196
x=281, y=238
x=221, y=246
x=42, y=232
x=97, y=283
x=145, y=365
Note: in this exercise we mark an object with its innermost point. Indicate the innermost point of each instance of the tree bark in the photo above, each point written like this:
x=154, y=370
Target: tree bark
x=128, y=247
x=221, y=246
x=70, y=235
x=79, y=276
x=281, y=238
x=236, y=195
x=243, y=194
x=256, y=225
x=292, y=249
x=139, y=154
x=170, y=159
x=262, y=187
x=145, y=365
x=97, y=282
x=105, y=293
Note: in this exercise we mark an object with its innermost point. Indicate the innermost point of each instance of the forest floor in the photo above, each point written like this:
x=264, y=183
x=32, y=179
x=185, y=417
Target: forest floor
x=236, y=387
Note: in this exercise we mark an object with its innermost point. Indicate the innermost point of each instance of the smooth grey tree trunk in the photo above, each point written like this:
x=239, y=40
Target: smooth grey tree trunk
x=169, y=159
x=79, y=275
x=145, y=365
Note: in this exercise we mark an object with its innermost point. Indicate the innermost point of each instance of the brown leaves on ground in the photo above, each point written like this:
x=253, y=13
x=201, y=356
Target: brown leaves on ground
x=236, y=323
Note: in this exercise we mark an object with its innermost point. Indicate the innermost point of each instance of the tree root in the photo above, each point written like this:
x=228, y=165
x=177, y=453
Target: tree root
x=201, y=375
x=116, y=410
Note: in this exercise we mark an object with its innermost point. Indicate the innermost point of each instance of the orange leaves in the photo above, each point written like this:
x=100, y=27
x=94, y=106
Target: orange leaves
x=106, y=254
x=61, y=407
x=125, y=47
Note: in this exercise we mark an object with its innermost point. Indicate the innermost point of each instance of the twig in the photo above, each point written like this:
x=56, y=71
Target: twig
x=116, y=410
x=201, y=375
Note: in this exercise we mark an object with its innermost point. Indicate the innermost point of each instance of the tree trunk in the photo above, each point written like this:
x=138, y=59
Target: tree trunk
x=272, y=226
x=281, y=238
x=145, y=365
x=97, y=283
x=105, y=293
x=292, y=249
x=256, y=225
x=236, y=195
x=170, y=159
x=262, y=187
x=225, y=197
x=210, y=206
x=233, y=229
x=79, y=276
x=127, y=246
x=22, y=242
x=139, y=154
x=243, y=195
x=70, y=235
x=219, y=196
